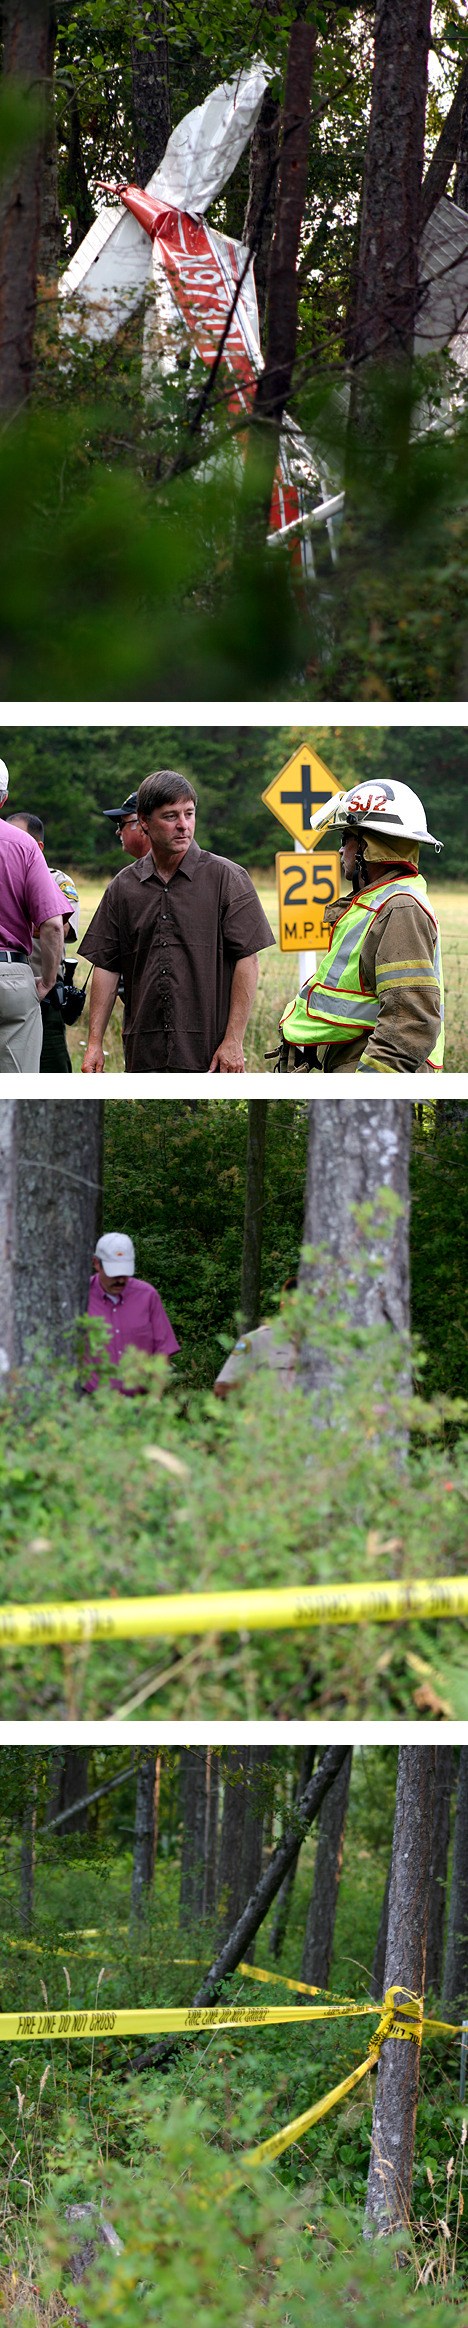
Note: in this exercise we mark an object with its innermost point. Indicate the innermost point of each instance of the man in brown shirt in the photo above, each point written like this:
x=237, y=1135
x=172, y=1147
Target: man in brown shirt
x=182, y=928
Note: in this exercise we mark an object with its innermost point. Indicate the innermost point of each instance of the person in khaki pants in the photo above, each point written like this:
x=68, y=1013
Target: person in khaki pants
x=29, y=899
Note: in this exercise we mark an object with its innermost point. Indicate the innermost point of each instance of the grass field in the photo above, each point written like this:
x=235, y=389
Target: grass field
x=278, y=982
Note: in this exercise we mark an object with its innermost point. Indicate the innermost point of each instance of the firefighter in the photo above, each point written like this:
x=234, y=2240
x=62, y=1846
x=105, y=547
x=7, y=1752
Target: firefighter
x=376, y=1003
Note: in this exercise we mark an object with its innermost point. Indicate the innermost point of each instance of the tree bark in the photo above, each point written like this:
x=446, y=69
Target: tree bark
x=73, y=1799
x=274, y=381
x=354, y=1153
x=151, y=100
x=144, y=1843
x=253, y=1915
x=283, y=1905
x=25, y=67
x=394, y=2120
x=455, y=1988
x=388, y=256
x=28, y=1856
x=50, y=236
x=258, y=1777
x=51, y=1158
x=230, y=1887
x=450, y=143
x=193, y=1778
x=75, y=184
x=461, y=173
x=318, y=1943
x=253, y=1212
x=380, y=1950
x=444, y=1778
x=260, y=213
x=211, y=1831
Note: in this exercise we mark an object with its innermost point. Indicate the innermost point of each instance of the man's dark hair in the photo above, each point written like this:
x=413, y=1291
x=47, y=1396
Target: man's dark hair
x=34, y=824
x=159, y=790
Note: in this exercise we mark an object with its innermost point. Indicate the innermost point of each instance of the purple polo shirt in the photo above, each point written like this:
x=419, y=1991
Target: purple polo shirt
x=136, y=1320
x=28, y=894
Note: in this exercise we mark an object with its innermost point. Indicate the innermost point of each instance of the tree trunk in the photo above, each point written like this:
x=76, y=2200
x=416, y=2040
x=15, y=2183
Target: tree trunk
x=28, y=1856
x=354, y=1152
x=260, y=213
x=258, y=1776
x=77, y=195
x=151, y=100
x=74, y=1789
x=25, y=68
x=193, y=1778
x=50, y=238
x=283, y=1905
x=8, y=1115
x=461, y=173
x=253, y=1915
x=253, y=1212
x=449, y=146
x=211, y=1830
x=318, y=1943
x=230, y=1892
x=444, y=1778
x=144, y=1844
x=380, y=1950
x=394, y=2120
x=274, y=381
x=51, y=1161
x=455, y=1988
x=388, y=256
x=156, y=1803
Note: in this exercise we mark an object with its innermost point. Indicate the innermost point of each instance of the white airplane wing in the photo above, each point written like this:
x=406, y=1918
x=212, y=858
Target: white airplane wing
x=107, y=277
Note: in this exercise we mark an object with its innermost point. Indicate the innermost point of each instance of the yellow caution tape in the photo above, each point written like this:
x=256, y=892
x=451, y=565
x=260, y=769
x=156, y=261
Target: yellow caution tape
x=401, y=2017
x=259, y=1972
x=172, y=1614
x=297, y=2126
x=183, y=2020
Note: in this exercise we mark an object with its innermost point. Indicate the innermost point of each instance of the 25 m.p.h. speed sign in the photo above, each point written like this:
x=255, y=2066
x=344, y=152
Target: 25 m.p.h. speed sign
x=305, y=885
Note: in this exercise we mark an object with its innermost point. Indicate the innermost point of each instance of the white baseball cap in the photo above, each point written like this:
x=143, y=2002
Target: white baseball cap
x=4, y=780
x=117, y=1255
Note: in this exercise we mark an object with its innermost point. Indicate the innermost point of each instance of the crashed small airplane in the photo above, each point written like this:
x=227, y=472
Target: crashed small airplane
x=203, y=282
x=204, y=287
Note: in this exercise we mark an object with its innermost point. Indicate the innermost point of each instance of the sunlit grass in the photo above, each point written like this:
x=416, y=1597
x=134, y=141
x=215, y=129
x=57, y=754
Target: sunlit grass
x=279, y=980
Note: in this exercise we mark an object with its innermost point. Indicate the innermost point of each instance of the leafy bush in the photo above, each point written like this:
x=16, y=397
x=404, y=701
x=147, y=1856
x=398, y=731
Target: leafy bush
x=283, y=1488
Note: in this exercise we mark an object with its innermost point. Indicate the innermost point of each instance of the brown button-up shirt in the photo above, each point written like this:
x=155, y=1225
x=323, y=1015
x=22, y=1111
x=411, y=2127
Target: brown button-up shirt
x=175, y=944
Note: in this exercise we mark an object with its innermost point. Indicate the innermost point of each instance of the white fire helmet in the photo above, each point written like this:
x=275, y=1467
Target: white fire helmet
x=375, y=807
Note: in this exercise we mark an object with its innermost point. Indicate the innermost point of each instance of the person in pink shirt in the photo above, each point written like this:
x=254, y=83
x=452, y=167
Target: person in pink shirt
x=131, y=1309
x=29, y=900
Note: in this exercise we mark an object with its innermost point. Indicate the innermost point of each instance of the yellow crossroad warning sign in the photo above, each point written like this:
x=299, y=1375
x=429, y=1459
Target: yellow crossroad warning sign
x=295, y=1607
x=302, y=786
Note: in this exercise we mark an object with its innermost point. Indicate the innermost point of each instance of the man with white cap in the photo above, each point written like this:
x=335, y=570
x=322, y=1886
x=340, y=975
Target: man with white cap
x=131, y=1309
x=376, y=1004
x=29, y=900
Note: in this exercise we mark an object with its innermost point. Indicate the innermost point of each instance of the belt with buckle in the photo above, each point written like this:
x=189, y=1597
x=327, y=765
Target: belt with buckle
x=13, y=954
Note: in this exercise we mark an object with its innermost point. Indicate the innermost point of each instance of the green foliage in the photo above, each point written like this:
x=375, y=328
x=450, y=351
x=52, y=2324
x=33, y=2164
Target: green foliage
x=439, y=1262
x=68, y=775
x=162, y=2157
x=177, y=1179
x=330, y=1470
x=188, y=2242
